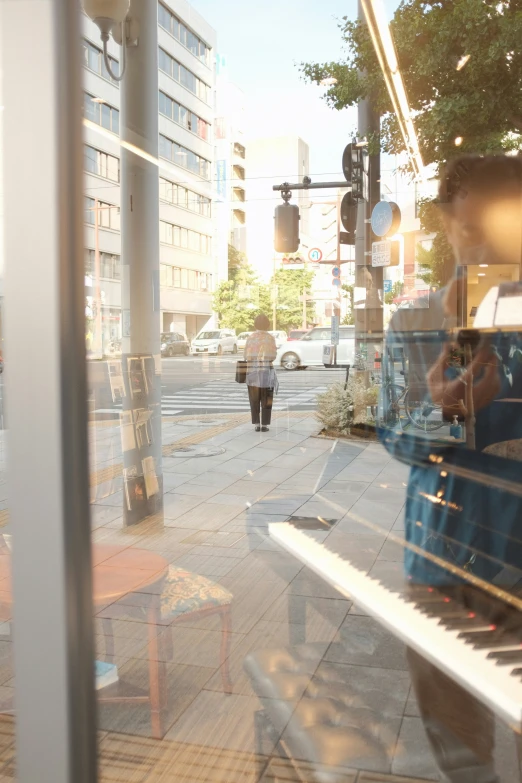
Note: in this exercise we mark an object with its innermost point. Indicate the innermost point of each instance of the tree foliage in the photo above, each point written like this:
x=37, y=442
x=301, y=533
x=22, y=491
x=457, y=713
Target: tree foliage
x=239, y=299
x=291, y=283
x=481, y=102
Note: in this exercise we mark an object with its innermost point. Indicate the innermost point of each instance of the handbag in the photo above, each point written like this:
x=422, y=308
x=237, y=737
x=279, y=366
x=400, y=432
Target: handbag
x=241, y=371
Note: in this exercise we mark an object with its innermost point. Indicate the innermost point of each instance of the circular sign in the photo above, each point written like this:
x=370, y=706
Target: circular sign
x=336, y=281
x=386, y=218
x=315, y=254
x=336, y=271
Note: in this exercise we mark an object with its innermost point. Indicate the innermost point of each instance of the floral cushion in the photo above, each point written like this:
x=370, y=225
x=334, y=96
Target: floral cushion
x=185, y=591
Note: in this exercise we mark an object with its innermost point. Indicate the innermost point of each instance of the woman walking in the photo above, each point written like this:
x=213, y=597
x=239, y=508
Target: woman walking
x=260, y=352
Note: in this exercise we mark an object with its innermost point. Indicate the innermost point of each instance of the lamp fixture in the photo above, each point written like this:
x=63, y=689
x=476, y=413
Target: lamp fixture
x=108, y=15
x=458, y=141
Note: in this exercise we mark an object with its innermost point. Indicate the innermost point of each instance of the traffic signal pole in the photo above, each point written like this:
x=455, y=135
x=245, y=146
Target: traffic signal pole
x=369, y=317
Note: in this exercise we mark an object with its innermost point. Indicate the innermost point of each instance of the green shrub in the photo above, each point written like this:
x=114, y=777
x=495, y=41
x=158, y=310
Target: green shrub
x=339, y=408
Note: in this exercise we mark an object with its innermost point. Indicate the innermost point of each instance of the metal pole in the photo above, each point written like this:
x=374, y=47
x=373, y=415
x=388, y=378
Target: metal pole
x=46, y=393
x=141, y=359
x=98, y=341
x=369, y=319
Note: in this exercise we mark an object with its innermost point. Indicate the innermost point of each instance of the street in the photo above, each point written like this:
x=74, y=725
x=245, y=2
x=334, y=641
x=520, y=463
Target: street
x=207, y=385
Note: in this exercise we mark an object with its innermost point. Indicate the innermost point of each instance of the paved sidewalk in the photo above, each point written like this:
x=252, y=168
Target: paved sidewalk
x=217, y=511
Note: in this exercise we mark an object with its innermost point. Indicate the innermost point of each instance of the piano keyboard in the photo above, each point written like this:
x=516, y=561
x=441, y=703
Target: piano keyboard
x=475, y=648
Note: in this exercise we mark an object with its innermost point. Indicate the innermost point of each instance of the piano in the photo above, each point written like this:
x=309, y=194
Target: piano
x=478, y=645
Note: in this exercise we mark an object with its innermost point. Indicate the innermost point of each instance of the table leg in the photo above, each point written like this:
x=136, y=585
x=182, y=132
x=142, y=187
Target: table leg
x=157, y=671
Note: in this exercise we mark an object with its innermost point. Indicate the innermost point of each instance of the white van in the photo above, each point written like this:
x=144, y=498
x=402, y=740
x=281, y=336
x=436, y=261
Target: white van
x=308, y=351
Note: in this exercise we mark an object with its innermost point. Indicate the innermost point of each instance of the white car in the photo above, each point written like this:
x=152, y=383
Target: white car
x=280, y=337
x=241, y=340
x=215, y=342
x=308, y=351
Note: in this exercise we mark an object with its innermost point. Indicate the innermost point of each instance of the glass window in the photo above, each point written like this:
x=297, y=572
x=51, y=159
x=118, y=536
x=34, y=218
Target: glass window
x=175, y=115
x=175, y=27
x=176, y=236
x=163, y=231
x=93, y=58
x=89, y=210
x=175, y=70
x=164, y=17
x=182, y=35
x=89, y=262
x=192, y=279
x=164, y=61
x=162, y=102
x=169, y=277
x=106, y=116
x=91, y=109
x=177, y=277
x=90, y=160
x=184, y=237
x=115, y=120
x=184, y=278
x=163, y=273
x=183, y=116
x=165, y=147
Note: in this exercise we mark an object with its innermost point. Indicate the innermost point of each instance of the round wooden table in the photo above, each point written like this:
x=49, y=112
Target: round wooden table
x=117, y=572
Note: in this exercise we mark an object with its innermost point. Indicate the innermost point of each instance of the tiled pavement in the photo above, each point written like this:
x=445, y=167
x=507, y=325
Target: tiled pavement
x=217, y=511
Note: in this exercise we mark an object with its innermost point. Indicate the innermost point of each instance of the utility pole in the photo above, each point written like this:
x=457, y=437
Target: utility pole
x=368, y=319
x=141, y=362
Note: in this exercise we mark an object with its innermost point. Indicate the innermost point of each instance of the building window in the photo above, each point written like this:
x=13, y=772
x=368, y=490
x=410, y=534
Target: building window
x=239, y=150
x=174, y=277
x=239, y=172
x=101, y=113
x=183, y=76
x=93, y=60
x=101, y=163
x=179, y=196
x=108, y=214
x=178, y=30
x=187, y=119
x=182, y=237
x=183, y=157
x=110, y=265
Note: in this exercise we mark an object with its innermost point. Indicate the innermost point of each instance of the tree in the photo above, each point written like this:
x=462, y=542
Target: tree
x=348, y=293
x=396, y=290
x=291, y=283
x=435, y=264
x=481, y=102
x=239, y=299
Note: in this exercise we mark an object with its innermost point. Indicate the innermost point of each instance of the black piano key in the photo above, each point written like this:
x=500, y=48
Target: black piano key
x=505, y=657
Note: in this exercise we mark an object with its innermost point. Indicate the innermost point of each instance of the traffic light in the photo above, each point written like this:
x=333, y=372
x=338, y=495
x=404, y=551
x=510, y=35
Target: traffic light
x=355, y=163
x=286, y=228
x=348, y=219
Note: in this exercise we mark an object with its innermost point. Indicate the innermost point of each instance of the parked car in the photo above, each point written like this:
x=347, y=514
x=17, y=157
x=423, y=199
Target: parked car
x=215, y=342
x=280, y=337
x=241, y=340
x=173, y=343
x=308, y=351
x=297, y=334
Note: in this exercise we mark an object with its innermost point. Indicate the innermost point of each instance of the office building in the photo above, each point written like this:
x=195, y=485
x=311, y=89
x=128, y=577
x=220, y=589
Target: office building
x=186, y=161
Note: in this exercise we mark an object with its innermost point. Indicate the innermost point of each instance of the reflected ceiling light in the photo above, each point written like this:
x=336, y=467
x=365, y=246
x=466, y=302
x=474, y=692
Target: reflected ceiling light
x=329, y=81
x=109, y=15
x=458, y=141
x=481, y=274
x=462, y=62
x=97, y=100
x=483, y=265
x=385, y=49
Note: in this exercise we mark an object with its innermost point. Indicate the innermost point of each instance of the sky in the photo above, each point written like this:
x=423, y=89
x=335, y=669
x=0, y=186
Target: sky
x=263, y=43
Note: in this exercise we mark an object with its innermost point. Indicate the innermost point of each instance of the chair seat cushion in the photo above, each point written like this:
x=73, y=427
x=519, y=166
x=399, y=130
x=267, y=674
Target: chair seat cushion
x=185, y=592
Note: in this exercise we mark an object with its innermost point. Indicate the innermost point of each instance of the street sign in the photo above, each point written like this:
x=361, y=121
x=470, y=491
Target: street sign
x=315, y=254
x=387, y=286
x=336, y=271
x=381, y=253
x=336, y=281
x=386, y=218
x=335, y=330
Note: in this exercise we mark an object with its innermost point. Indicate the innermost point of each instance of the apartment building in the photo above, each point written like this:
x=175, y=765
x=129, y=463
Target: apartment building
x=230, y=166
x=186, y=162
